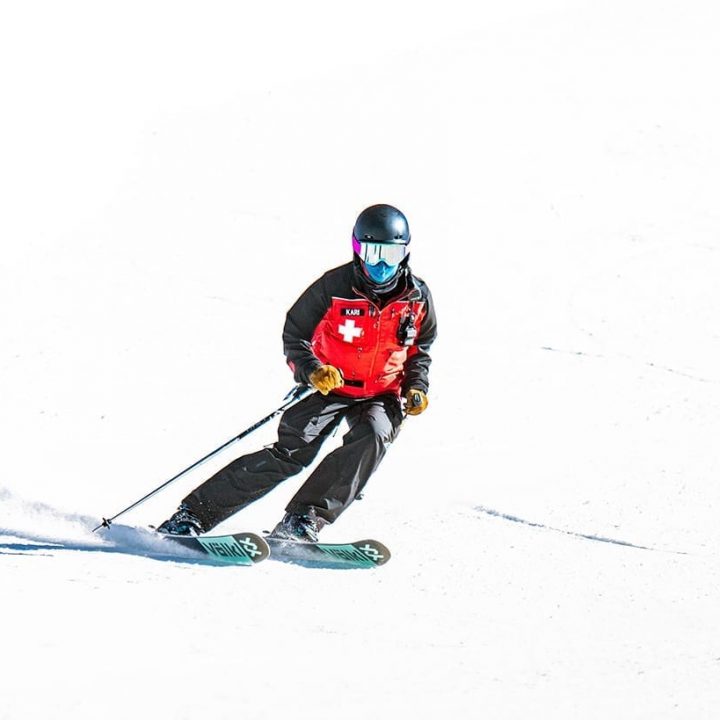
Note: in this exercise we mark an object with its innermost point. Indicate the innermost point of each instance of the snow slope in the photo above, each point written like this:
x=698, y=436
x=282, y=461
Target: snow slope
x=174, y=174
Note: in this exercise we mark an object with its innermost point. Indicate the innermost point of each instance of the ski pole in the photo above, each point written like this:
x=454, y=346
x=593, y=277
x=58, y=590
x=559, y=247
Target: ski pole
x=296, y=394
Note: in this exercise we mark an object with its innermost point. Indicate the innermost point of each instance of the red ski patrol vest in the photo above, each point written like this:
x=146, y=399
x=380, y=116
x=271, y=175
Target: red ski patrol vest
x=363, y=342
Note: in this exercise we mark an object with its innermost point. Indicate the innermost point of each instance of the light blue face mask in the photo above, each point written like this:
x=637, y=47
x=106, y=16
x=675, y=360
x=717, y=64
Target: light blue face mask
x=381, y=272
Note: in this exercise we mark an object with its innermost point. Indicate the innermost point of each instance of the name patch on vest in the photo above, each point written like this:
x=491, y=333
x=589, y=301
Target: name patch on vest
x=352, y=312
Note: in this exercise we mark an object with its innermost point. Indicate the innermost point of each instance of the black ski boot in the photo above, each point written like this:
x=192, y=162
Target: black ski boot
x=183, y=522
x=300, y=527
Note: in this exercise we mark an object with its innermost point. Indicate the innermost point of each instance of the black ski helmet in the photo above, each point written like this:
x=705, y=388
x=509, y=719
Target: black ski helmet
x=382, y=224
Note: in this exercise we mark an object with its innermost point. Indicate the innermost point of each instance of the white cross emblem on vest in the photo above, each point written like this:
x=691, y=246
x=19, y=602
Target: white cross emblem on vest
x=349, y=331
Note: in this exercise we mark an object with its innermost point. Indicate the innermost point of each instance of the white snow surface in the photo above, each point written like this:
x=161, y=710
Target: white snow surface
x=173, y=175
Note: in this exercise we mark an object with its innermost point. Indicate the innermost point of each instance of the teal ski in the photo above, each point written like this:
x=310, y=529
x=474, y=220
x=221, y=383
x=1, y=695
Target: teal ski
x=360, y=554
x=237, y=549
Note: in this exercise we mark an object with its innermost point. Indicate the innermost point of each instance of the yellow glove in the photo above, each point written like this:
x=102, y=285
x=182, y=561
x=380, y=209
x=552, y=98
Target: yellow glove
x=326, y=378
x=416, y=401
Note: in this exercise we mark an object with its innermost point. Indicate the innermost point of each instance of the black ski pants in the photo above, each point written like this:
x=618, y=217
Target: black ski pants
x=334, y=484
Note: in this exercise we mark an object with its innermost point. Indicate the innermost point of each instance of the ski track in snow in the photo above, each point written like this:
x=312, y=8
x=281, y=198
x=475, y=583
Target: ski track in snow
x=654, y=366
x=572, y=533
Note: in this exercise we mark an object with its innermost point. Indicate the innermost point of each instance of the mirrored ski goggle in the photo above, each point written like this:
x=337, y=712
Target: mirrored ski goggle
x=372, y=253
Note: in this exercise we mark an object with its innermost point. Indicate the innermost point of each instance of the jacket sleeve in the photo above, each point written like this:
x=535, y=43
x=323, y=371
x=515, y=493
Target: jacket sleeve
x=300, y=323
x=417, y=365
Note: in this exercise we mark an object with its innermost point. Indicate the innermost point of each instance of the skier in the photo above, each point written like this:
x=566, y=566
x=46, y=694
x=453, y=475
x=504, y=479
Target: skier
x=360, y=335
